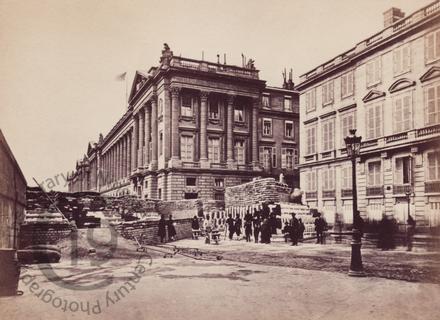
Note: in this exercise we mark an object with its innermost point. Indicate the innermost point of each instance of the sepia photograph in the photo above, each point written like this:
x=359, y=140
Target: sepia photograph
x=220, y=159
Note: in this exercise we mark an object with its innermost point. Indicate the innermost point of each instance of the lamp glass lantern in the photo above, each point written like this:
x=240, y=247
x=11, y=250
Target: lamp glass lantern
x=353, y=143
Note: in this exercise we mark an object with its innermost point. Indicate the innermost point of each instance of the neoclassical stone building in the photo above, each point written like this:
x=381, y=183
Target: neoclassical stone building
x=192, y=128
x=388, y=88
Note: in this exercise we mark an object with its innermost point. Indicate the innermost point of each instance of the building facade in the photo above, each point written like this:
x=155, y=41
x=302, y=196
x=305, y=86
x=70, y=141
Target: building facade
x=388, y=88
x=192, y=128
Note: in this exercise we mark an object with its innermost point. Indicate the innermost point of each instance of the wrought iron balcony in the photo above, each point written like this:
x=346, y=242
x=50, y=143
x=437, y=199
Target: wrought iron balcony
x=432, y=186
x=401, y=189
x=375, y=191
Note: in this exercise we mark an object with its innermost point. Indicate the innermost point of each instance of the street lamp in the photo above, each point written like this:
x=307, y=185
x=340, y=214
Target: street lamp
x=353, y=144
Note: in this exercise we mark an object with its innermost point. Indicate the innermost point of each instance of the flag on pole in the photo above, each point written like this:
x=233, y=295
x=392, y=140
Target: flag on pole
x=121, y=77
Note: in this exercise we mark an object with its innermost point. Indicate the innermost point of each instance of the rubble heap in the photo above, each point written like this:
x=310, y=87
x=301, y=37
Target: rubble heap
x=256, y=192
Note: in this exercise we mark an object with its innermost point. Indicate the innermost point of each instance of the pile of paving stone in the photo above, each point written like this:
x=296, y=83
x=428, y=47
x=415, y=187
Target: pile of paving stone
x=257, y=191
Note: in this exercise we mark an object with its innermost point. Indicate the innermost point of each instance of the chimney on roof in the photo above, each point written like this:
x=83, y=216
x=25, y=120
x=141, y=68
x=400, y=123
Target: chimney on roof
x=392, y=15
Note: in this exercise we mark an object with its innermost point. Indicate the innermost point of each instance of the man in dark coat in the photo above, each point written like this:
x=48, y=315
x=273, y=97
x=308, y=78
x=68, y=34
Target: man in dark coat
x=265, y=231
x=257, y=226
x=162, y=231
x=320, y=225
x=195, y=226
x=248, y=230
x=410, y=232
x=171, y=229
x=231, y=226
x=294, y=230
x=238, y=225
x=301, y=230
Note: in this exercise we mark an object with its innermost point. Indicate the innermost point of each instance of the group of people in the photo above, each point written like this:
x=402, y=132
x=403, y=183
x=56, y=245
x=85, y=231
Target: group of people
x=388, y=228
x=261, y=224
x=164, y=225
x=294, y=229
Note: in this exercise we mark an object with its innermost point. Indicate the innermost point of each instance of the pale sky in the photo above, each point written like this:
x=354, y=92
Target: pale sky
x=59, y=58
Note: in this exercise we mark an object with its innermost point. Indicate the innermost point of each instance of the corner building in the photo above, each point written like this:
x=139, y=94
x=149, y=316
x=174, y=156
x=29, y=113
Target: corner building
x=388, y=88
x=191, y=129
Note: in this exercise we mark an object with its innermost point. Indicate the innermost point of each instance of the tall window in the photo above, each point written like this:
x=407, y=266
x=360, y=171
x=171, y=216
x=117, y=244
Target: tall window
x=327, y=92
x=268, y=157
x=402, y=59
x=267, y=127
x=402, y=174
x=240, y=152
x=214, y=109
x=328, y=179
x=289, y=157
x=288, y=129
x=374, y=71
x=434, y=166
x=374, y=121
x=186, y=148
x=160, y=143
x=186, y=106
x=348, y=121
x=311, y=139
x=266, y=101
x=311, y=181
x=311, y=100
x=238, y=114
x=347, y=84
x=346, y=178
x=402, y=106
x=328, y=135
x=287, y=104
x=432, y=104
x=432, y=46
x=374, y=173
x=214, y=150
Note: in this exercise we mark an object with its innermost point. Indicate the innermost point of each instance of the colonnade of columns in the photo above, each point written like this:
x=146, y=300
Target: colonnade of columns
x=138, y=147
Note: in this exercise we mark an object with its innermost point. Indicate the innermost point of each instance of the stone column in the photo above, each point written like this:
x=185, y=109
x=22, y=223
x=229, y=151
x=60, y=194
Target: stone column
x=117, y=161
x=230, y=132
x=154, y=135
x=140, y=162
x=121, y=158
x=129, y=153
x=120, y=175
x=134, y=143
x=203, y=129
x=147, y=135
x=113, y=163
x=255, y=153
x=175, y=140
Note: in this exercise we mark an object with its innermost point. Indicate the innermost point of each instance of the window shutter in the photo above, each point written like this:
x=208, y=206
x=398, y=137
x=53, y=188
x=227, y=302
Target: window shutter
x=331, y=91
x=437, y=106
x=378, y=122
x=283, y=158
x=378, y=70
x=331, y=135
x=406, y=57
x=324, y=93
x=274, y=157
x=313, y=99
x=396, y=54
x=429, y=47
x=406, y=116
x=369, y=73
x=350, y=83
x=399, y=171
x=430, y=110
x=397, y=114
x=262, y=156
x=308, y=101
x=344, y=85
x=437, y=45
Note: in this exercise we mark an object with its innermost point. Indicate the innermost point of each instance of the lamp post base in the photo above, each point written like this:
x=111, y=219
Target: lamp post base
x=356, y=268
